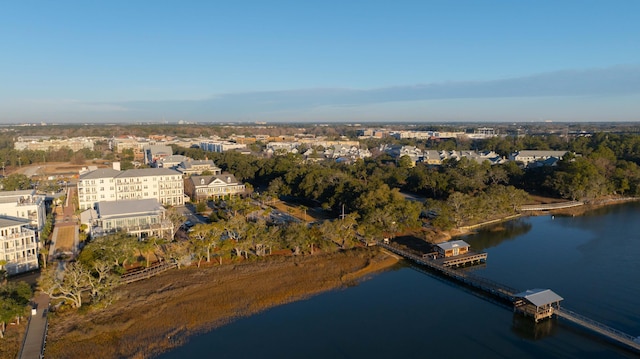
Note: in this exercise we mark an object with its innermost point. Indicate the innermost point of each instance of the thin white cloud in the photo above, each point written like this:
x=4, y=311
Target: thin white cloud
x=613, y=81
x=548, y=91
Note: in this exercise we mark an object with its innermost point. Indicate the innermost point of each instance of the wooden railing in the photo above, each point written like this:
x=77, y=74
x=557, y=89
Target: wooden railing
x=602, y=329
x=148, y=272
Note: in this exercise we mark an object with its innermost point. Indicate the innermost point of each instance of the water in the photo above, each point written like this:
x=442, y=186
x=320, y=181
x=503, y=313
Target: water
x=592, y=261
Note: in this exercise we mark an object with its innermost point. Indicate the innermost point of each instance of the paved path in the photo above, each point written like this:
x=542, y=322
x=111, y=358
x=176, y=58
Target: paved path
x=65, y=239
x=33, y=344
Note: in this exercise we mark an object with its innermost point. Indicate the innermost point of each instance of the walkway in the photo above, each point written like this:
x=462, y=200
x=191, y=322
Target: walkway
x=35, y=337
x=149, y=272
x=604, y=330
x=506, y=293
x=550, y=206
x=65, y=237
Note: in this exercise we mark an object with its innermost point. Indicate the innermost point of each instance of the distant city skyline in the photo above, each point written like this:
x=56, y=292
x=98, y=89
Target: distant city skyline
x=329, y=61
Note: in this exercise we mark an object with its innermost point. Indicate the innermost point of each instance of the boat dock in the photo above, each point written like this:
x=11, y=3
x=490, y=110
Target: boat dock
x=539, y=304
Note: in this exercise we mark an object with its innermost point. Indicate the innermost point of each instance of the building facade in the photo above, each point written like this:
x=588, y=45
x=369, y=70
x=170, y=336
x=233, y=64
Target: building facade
x=45, y=144
x=142, y=218
x=197, y=167
x=163, y=184
x=18, y=245
x=24, y=204
x=203, y=187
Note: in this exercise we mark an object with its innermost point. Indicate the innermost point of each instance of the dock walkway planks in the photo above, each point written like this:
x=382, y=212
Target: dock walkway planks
x=507, y=293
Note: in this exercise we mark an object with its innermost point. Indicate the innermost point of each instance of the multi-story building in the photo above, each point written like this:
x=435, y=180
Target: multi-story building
x=529, y=156
x=172, y=161
x=221, y=146
x=203, y=187
x=24, y=204
x=38, y=143
x=95, y=186
x=134, y=144
x=18, y=245
x=163, y=184
x=197, y=167
x=143, y=218
x=154, y=153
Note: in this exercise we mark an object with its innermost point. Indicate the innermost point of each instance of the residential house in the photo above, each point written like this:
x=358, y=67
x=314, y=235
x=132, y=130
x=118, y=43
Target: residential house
x=529, y=156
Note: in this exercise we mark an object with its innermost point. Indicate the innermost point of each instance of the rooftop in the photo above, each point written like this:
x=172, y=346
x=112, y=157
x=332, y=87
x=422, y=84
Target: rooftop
x=6, y=221
x=539, y=297
x=453, y=244
x=114, y=208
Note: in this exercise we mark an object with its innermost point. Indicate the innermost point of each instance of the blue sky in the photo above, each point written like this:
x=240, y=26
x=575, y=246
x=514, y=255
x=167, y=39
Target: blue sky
x=319, y=61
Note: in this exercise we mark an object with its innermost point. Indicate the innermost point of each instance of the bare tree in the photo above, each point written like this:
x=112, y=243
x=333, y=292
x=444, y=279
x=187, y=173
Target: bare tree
x=68, y=285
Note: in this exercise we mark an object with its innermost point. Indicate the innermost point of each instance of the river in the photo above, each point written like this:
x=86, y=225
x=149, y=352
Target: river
x=592, y=261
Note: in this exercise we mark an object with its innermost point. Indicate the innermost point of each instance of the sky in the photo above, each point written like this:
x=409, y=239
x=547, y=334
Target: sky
x=319, y=61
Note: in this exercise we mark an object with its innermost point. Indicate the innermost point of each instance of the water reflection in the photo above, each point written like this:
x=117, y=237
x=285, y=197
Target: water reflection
x=494, y=235
x=527, y=328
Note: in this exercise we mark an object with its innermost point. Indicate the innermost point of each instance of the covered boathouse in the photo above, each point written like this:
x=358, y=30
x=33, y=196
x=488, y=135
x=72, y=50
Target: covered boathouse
x=537, y=303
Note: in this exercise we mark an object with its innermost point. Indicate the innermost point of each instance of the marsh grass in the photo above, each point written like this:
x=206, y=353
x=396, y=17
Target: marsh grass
x=12, y=341
x=155, y=315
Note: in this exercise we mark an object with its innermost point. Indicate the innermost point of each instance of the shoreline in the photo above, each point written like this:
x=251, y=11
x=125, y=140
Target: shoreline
x=573, y=211
x=163, y=312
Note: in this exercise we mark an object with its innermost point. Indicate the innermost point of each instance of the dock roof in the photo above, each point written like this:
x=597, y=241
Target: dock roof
x=453, y=244
x=539, y=297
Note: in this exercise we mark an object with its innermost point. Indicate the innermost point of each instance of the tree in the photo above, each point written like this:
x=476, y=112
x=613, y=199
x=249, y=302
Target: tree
x=203, y=239
x=116, y=249
x=67, y=285
x=295, y=236
x=44, y=254
x=101, y=281
x=16, y=181
x=405, y=162
x=14, y=298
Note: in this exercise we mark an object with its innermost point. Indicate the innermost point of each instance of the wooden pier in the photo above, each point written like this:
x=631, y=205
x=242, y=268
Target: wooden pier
x=507, y=294
x=470, y=258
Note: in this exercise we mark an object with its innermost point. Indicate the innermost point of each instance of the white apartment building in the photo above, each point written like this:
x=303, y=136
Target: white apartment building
x=18, y=245
x=41, y=143
x=24, y=204
x=221, y=146
x=162, y=184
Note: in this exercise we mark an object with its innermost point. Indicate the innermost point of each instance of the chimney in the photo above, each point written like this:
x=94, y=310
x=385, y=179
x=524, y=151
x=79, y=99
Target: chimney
x=116, y=166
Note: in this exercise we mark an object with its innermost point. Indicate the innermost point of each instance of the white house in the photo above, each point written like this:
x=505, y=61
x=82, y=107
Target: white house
x=202, y=187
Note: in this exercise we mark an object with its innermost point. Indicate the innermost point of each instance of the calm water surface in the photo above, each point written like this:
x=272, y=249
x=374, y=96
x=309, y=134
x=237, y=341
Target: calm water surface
x=593, y=261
